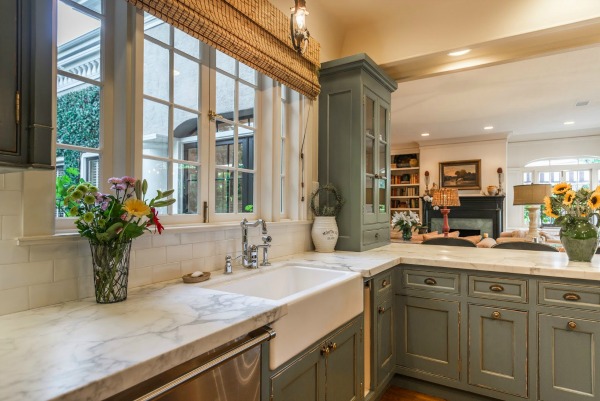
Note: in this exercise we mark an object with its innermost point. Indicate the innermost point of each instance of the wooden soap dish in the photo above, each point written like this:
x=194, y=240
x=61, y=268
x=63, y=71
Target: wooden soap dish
x=189, y=279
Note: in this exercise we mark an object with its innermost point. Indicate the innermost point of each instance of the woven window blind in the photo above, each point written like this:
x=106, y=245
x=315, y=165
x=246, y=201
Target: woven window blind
x=254, y=32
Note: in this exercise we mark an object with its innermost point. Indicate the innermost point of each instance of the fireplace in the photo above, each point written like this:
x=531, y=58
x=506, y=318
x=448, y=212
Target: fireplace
x=475, y=215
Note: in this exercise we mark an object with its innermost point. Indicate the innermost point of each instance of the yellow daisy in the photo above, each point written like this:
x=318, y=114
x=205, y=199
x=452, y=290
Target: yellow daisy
x=569, y=197
x=561, y=188
x=548, y=208
x=136, y=207
x=594, y=201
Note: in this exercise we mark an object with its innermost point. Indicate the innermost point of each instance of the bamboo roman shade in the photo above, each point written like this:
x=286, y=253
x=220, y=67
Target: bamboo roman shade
x=254, y=32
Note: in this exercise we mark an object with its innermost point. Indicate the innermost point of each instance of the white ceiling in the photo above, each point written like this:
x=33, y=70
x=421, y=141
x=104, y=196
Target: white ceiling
x=521, y=98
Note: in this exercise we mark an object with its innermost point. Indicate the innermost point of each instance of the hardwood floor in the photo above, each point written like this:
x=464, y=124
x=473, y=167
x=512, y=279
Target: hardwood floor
x=400, y=394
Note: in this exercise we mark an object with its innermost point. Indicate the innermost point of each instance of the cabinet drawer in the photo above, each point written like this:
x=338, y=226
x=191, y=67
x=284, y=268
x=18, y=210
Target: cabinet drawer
x=498, y=288
x=373, y=236
x=382, y=284
x=576, y=296
x=431, y=281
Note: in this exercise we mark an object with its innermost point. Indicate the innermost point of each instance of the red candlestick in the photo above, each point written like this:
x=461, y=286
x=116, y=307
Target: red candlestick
x=445, y=227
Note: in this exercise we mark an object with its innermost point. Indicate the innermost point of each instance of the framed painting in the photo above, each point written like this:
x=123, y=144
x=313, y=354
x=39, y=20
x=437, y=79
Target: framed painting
x=463, y=174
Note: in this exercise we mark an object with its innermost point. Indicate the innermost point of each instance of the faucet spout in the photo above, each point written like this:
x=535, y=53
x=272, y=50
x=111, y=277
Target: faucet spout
x=250, y=252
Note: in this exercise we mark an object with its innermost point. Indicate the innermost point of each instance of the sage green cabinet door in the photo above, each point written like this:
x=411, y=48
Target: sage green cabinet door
x=10, y=14
x=498, y=349
x=303, y=380
x=384, y=341
x=569, y=361
x=428, y=335
x=344, y=365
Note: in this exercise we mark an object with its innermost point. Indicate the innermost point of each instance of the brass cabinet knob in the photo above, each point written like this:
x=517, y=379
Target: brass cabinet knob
x=496, y=314
x=496, y=288
x=325, y=350
x=569, y=296
x=332, y=346
x=572, y=325
x=381, y=310
x=430, y=281
x=385, y=283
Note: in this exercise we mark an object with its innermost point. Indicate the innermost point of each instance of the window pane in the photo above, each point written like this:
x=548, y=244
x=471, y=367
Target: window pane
x=224, y=153
x=527, y=178
x=156, y=129
x=187, y=43
x=247, y=74
x=185, y=179
x=156, y=28
x=223, y=191
x=246, y=101
x=225, y=87
x=156, y=173
x=225, y=63
x=185, y=82
x=78, y=114
x=94, y=5
x=156, y=71
x=245, y=148
x=245, y=192
x=73, y=39
x=72, y=165
x=185, y=142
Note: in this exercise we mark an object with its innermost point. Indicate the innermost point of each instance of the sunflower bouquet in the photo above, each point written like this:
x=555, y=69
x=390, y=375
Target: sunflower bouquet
x=566, y=205
x=107, y=218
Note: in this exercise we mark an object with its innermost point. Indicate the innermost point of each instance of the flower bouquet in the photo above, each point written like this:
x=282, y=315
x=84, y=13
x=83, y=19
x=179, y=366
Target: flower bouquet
x=572, y=211
x=110, y=223
x=405, y=222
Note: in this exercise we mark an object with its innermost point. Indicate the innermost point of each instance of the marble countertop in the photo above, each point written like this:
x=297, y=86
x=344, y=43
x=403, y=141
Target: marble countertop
x=81, y=350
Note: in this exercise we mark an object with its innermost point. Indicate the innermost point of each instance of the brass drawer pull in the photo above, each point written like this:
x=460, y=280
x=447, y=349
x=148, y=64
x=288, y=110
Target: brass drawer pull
x=325, y=350
x=496, y=314
x=569, y=296
x=332, y=346
x=430, y=281
x=381, y=310
x=496, y=288
x=572, y=325
x=384, y=283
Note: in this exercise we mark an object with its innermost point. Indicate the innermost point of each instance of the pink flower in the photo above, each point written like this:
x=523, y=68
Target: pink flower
x=104, y=205
x=124, y=216
x=119, y=187
x=115, y=181
x=128, y=180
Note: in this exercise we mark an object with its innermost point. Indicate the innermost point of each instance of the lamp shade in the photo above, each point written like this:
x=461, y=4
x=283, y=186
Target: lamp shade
x=531, y=194
x=445, y=197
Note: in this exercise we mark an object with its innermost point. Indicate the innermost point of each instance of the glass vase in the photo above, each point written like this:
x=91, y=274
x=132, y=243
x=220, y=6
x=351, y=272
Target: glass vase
x=406, y=233
x=111, y=271
x=580, y=239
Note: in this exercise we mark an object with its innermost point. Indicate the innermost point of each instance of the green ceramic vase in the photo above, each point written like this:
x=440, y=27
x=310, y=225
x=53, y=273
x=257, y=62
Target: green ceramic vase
x=580, y=239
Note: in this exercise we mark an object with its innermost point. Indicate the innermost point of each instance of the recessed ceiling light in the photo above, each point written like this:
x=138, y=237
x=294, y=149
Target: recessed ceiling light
x=425, y=134
x=459, y=52
x=569, y=122
x=489, y=127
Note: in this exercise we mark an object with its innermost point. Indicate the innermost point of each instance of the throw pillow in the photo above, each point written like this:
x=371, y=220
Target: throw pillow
x=486, y=243
x=473, y=238
x=435, y=234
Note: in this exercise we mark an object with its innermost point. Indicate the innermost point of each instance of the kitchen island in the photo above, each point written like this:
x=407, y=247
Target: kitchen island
x=82, y=350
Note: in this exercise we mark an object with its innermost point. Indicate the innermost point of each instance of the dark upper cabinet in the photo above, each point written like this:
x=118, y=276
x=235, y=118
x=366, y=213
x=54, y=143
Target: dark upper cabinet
x=25, y=84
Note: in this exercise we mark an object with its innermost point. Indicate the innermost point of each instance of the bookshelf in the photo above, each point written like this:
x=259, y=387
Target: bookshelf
x=404, y=183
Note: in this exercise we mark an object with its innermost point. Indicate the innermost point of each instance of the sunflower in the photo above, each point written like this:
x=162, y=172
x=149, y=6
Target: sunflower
x=569, y=198
x=561, y=188
x=136, y=207
x=594, y=201
x=548, y=208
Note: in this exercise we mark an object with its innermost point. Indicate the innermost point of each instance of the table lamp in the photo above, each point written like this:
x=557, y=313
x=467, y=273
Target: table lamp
x=532, y=196
x=443, y=198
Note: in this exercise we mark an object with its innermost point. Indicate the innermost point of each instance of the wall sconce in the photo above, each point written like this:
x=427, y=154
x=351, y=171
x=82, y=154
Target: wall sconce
x=299, y=33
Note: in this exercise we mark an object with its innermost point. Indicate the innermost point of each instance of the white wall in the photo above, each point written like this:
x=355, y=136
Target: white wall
x=491, y=152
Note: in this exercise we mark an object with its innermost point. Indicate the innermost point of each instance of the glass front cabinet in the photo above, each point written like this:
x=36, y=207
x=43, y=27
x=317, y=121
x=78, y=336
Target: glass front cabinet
x=354, y=152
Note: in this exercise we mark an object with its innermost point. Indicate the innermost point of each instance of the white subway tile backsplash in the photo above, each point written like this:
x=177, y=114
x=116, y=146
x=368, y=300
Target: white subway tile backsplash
x=229, y=247
x=14, y=300
x=85, y=286
x=165, y=239
x=11, y=203
x=11, y=253
x=150, y=257
x=192, y=265
x=13, y=181
x=206, y=236
x=24, y=274
x=179, y=252
x=204, y=249
x=72, y=268
x=139, y=277
x=1, y=182
x=11, y=227
x=166, y=272
x=54, y=251
x=143, y=242
x=53, y=293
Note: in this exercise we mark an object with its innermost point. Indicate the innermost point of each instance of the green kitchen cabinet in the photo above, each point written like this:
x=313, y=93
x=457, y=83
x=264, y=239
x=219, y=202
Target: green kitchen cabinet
x=354, y=147
x=332, y=369
x=569, y=361
x=26, y=84
x=498, y=349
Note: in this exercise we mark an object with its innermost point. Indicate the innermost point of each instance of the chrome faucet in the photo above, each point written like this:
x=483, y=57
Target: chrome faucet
x=250, y=252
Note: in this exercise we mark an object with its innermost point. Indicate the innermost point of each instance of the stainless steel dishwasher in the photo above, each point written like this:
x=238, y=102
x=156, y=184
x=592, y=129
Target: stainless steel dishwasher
x=228, y=373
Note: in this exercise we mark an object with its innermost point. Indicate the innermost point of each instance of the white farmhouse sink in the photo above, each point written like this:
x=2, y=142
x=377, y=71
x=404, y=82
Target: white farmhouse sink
x=318, y=300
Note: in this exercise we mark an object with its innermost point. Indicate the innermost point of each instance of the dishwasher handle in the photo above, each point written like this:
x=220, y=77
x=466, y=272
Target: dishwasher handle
x=256, y=337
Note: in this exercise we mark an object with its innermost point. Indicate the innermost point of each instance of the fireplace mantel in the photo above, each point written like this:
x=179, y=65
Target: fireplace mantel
x=471, y=207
